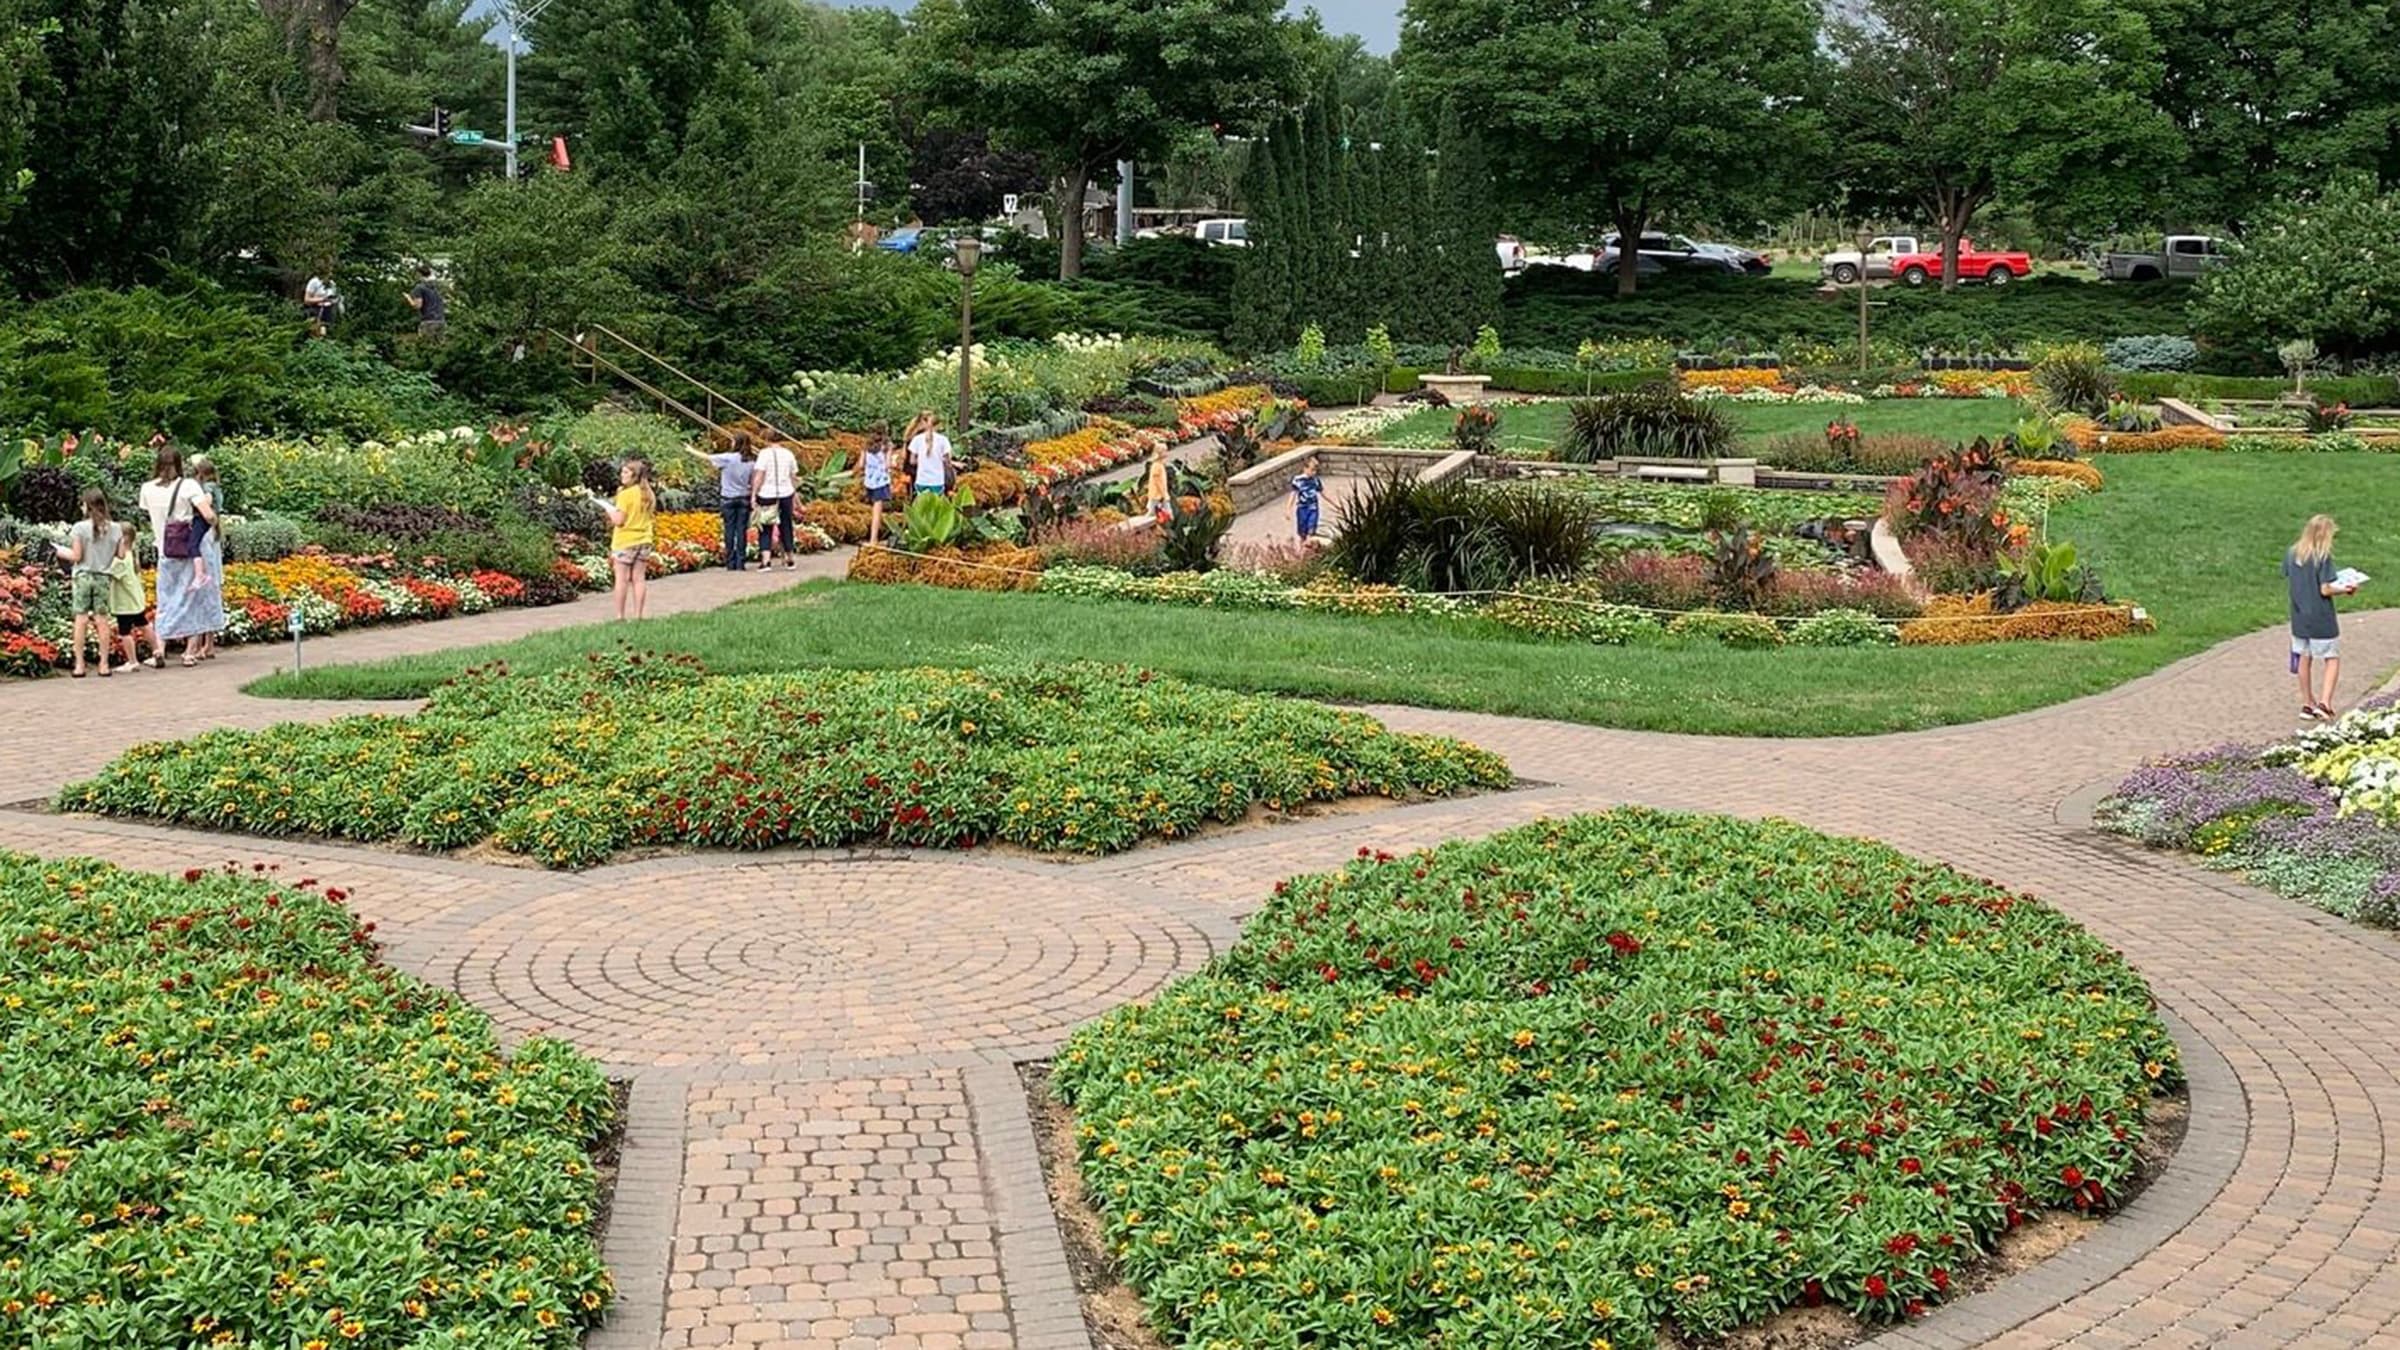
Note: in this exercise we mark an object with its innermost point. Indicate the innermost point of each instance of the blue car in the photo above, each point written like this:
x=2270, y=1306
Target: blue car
x=902, y=240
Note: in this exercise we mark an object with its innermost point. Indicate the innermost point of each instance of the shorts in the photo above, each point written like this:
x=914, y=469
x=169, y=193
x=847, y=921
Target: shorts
x=432, y=328
x=634, y=556
x=90, y=596
x=932, y=490
x=880, y=494
x=1306, y=518
x=2320, y=648
x=130, y=624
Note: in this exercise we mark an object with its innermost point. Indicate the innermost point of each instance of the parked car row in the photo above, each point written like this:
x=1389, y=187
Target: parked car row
x=1902, y=258
x=1906, y=259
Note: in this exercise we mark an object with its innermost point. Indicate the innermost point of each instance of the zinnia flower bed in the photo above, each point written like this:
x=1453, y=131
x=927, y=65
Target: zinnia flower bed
x=2311, y=817
x=1572, y=1083
x=224, y=1122
x=634, y=750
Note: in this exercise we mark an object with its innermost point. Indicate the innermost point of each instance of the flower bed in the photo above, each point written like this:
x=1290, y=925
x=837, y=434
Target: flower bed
x=227, y=1123
x=2090, y=438
x=632, y=751
x=2311, y=817
x=1568, y=1084
x=331, y=592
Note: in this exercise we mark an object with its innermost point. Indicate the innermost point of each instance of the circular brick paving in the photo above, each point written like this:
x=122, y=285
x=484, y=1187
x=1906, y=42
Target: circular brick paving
x=816, y=963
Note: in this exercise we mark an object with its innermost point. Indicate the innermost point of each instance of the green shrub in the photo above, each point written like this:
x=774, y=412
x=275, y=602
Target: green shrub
x=2359, y=391
x=260, y=538
x=1459, y=535
x=2073, y=378
x=2152, y=352
x=1558, y=307
x=1595, y=1075
x=296, y=478
x=215, y=1074
x=1741, y=631
x=1648, y=421
x=920, y=757
x=337, y=389
x=196, y=363
x=1842, y=628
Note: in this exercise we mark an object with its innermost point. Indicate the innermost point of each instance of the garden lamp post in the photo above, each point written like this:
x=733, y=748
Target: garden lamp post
x=966, y=249
x=1863, y=239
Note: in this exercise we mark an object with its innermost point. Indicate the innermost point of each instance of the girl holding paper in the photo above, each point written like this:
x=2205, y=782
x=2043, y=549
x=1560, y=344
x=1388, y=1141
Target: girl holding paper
x=2316, y=630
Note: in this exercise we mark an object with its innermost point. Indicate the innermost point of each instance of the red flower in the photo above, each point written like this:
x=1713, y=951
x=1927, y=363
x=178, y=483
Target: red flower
x=2073, y=1176
x=1876, y=1288
x=1624, y=944
x=1939, y=1276
x=1910, y=1167
x=1901, y=1245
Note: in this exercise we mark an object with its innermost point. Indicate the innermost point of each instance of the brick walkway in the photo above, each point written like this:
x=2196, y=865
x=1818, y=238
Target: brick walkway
x=828, y=1145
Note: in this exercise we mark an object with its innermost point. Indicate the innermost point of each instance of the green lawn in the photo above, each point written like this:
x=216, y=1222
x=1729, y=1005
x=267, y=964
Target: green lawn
x=1540, y=425
x=2183, y=534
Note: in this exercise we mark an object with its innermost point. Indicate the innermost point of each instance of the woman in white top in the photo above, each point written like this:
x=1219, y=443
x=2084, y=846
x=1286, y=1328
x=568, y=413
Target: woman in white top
x=929, y=452
x=774, y=483
x=189, y=607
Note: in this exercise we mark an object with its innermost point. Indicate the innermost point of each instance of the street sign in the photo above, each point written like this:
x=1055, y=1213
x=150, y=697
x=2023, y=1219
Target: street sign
x=466, y=138
x=1008, y=203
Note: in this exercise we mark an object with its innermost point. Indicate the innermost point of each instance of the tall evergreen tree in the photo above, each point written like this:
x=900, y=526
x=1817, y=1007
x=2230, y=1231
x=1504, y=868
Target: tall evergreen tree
x=1262, y=283
x=1464, y=233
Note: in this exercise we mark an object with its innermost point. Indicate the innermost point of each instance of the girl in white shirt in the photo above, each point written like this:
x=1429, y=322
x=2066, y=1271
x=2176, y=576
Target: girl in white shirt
x=929, y=452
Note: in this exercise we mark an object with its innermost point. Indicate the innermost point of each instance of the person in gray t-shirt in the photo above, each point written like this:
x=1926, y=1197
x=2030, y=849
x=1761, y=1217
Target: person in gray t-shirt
x=433, y=314
x=2316, y=630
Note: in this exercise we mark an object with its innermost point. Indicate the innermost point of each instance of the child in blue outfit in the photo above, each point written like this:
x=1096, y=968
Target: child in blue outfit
x=1307, y=492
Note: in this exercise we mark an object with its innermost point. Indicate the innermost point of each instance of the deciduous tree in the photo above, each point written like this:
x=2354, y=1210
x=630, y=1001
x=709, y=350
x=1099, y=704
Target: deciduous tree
x=1943, y=104
x=1619, y=110
x=1085, y=83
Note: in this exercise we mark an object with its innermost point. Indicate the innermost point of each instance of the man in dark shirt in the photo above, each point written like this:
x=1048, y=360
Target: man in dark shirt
x=426, y=300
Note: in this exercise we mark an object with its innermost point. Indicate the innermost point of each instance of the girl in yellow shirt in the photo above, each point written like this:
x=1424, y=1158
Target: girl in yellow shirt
x=633, y=533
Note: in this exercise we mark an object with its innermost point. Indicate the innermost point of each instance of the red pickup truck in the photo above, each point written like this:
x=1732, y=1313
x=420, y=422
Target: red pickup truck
x=1996, y=269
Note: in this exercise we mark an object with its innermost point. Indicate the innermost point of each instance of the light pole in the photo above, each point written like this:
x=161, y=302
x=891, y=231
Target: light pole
x=967, y=249
x=514, y=15
x=1863, y=240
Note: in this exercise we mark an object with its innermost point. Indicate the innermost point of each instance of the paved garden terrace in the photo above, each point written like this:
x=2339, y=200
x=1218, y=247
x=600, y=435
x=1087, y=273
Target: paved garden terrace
x=828, y=1143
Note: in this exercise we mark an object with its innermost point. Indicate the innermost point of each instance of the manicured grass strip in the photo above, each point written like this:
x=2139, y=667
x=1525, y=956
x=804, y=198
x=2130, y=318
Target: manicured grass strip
x=223, y=1122
x=1559, y=1087
x=623, y=750
x=1961, y=419
x=2194, y=536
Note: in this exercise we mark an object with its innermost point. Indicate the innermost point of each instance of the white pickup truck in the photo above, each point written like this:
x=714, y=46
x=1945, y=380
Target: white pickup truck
x=1843, y=265
x=2181, y=258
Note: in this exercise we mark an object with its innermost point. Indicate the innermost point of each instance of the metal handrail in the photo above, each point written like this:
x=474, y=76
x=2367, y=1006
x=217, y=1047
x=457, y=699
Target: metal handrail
x=591, y=348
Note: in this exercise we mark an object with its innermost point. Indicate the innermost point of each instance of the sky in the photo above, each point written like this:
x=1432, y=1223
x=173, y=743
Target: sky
x=1377, y=21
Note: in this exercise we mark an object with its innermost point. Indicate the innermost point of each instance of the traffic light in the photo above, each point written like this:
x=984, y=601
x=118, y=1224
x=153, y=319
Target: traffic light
x=441, y=122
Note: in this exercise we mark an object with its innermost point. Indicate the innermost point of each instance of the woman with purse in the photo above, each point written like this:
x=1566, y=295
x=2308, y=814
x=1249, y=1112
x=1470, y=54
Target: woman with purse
x=179, y=509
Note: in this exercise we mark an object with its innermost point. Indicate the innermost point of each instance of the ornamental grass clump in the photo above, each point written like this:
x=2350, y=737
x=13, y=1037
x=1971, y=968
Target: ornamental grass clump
x=637, y=750
x=224, y=1121
x=1572, y=1083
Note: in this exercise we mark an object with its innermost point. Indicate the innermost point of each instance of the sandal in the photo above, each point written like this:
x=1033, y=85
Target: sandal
x=77, y=672
x=156, y=661
x=190, y=661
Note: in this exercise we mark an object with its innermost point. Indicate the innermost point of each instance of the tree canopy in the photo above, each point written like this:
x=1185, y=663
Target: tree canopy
x=1618, y=112
x=1082, y=84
